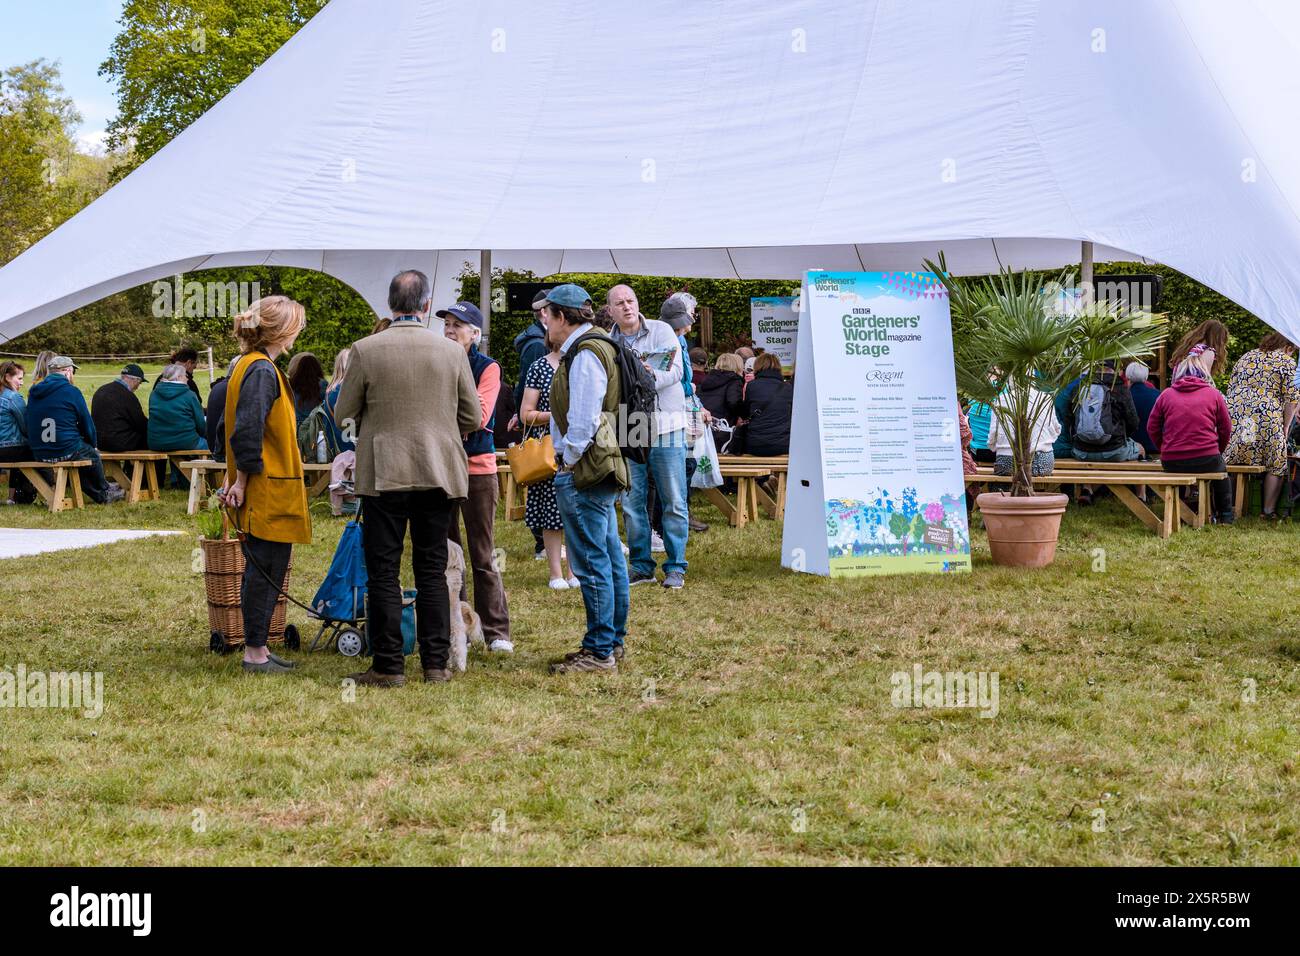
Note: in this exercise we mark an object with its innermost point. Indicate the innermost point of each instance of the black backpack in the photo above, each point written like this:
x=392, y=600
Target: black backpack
x=637, y=397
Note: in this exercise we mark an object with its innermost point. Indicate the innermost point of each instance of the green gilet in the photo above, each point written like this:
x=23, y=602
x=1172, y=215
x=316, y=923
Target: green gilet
x=602, y=457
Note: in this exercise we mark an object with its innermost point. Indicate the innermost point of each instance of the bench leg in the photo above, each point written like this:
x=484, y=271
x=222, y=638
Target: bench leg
x=137, y=479
x=780, y=496
x=1239, y=499
x=41, y=485
x=60, y=486
x=77, y=499
x=744, y=500
x=1202, y=504
x=723, y=504
x=320, y=485
x=196, y=491
x=1169, y=520
x=151, y=480
x=1145, y=514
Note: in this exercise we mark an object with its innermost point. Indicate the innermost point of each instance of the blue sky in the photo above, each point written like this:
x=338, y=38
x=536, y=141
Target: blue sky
x=78, y=34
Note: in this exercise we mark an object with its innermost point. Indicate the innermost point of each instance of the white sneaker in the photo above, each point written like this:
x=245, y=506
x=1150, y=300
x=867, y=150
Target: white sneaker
x=539, y=555
x=574, y=582
x=656, y=543
x=501, y=646
x=559, y=584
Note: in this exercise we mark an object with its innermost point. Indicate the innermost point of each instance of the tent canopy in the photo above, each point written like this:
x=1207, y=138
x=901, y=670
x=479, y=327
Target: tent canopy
x=746, y=138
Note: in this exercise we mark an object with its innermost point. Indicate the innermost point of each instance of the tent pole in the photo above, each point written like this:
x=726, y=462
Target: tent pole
x=485, y=292
x=1085, y=274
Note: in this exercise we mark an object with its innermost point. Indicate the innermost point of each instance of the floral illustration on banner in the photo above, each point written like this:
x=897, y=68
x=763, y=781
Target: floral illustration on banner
x=885, y=524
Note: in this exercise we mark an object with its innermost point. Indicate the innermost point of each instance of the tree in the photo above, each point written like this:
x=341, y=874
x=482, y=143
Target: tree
x=899, y=524
x=175, y=59
x=918, y=529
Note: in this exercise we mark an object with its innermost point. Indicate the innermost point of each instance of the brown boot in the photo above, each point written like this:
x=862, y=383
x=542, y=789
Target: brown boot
x=373, y=678
x=437, y=675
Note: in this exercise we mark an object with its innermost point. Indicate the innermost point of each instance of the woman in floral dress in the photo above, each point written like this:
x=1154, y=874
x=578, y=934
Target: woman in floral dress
x=1262, y=398
x=540, y=510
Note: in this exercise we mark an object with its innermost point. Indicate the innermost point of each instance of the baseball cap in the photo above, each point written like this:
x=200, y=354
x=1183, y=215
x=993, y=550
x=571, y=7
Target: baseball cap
x=568, y=296
x=134, y=371
x=463, y=312
x=676, y=310
x=62, y=361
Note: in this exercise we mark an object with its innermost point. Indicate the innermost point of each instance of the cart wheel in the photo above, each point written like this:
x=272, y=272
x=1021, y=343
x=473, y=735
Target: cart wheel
x=217, y=643
x=349, y=642
x=292, y=639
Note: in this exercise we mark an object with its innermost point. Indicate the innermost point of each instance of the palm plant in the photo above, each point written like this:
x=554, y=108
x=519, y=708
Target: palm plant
x=1014, y=352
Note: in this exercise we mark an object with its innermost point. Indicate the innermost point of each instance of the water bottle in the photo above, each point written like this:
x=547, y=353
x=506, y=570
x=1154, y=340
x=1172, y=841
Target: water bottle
x=320, y=448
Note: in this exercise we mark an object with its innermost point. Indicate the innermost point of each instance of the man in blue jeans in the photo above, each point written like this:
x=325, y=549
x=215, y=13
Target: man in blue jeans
x=656, y=344
x=59, y=428
x=592, y=473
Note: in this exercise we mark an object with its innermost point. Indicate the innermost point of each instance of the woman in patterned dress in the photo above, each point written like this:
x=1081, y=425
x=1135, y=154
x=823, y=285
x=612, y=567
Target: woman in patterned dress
x=1262, y=398
x=540, y=510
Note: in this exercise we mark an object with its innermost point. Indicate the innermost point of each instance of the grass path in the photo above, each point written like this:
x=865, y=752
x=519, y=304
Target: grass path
x=752, y=722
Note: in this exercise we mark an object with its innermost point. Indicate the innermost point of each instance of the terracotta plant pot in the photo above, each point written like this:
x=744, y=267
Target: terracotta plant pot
x=1022, y=531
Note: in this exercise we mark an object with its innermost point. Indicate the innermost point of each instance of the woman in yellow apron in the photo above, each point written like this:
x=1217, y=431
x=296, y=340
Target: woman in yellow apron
x=264, y=477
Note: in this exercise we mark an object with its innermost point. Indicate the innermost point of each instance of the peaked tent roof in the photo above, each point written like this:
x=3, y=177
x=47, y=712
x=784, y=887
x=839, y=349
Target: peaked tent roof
x=751, y=138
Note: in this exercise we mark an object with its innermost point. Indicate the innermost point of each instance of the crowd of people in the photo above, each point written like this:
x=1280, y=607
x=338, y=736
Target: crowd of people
x=1190, y=426
x=411, y=421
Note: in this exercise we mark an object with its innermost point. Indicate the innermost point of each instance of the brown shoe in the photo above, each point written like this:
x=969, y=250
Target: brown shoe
x=585, y=662
x=437, y=675
x=573, y=655
x=373, y=678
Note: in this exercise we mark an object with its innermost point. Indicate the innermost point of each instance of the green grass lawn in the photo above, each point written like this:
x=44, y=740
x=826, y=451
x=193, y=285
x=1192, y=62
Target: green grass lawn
x=751, y=722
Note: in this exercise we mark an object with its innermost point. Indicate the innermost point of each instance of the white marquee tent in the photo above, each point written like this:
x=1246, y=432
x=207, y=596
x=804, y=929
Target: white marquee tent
x=750, y=138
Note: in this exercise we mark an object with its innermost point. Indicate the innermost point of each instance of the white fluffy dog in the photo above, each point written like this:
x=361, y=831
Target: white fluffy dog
x=465, y=623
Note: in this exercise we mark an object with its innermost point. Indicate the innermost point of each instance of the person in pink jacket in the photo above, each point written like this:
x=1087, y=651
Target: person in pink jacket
x=1190, y=425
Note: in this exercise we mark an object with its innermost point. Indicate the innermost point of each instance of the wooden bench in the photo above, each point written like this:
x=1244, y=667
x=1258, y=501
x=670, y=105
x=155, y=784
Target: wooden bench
x=142, y=485
x=54, y=495
x=777, y=465
x=1241, y=475
x=1165, y=485
x=197, y=472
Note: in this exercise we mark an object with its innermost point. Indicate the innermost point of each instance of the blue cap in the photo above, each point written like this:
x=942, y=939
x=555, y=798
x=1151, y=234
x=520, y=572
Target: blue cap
x=464, y=312
x=569, y=296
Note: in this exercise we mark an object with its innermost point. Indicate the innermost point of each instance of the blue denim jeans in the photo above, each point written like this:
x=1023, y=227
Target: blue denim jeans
x=1129, y=451
x=596, y=557
x=93, y=482
x=668, y=466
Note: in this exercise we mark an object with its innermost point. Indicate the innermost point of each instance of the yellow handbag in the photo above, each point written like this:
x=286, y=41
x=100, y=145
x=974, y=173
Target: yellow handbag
x=532, y=461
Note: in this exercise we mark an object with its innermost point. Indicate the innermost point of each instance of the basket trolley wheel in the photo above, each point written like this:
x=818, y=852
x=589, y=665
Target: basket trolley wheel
x=292, y=639
x=349, y=642
x=217, y=643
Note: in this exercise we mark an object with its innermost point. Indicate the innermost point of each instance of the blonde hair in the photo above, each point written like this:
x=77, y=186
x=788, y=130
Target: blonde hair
x=42, y=367
x=340, y=371
x=274, y=320
x=730, y=362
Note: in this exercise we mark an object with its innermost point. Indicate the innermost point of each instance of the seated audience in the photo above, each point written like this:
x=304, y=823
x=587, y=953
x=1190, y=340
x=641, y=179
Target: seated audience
x=13, y=432
x=1262, y=397
x=339, y=437
x=119, y=419
x=307, y=380
x=41, y=369
x=215, y=412
x=1144, y=399
x=189, y=358
x=59, y=428
x=768, y=404
x=980, y=415
x=176, y=420
x=722, y=390
x=1191, y=426
x=1101, y=422
x=1045, y=428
